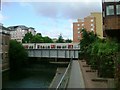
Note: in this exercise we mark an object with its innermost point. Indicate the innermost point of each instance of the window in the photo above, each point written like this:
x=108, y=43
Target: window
x=58, y=46
x=48, y=46
x=117, y=9
x=82, y=24
x=63, y=46
x=92, y=29
x=110, y=10
x=38, y=46
x=92, y=20
x=92, y=24
x=78, y=24
x=78, y=31
x=78, y=28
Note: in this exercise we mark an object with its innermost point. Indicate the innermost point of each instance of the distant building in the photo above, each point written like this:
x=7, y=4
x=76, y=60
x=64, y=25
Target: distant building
x=111, y=18
x=18, y=32
x=98, y=23
x=90, y=23
x=4, y=47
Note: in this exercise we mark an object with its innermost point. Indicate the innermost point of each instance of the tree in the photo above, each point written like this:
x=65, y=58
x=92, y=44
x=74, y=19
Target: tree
x=17, y=55
x=37, y=39
x=68, y=41
x=47, y=40
x=27, y=38
x=60, y=39
x=87, y=39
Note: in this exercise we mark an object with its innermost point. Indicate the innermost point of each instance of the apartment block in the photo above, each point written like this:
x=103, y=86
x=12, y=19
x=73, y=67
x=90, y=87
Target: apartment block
x=4, y=47
x=18, y=32
x=90, y=23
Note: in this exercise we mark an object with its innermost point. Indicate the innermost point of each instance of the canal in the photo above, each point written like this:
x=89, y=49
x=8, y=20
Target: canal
x=37, y=75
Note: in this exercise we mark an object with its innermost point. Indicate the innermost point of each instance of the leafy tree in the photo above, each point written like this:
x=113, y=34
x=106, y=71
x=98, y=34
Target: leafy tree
x=47, y=40
x=68, y=41
x=60, y=39
x=17, y=55
x=87, y=39
x=37, y=39
x=27, y=38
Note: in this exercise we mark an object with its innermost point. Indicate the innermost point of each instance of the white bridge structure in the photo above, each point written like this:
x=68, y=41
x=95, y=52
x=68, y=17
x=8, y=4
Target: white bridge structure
x=52, y=50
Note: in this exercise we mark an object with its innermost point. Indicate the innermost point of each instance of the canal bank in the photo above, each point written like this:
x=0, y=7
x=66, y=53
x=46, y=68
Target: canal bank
x=58, y=76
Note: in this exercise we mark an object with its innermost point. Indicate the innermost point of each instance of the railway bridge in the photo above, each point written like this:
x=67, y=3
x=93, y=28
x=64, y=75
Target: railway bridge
x=53, y=50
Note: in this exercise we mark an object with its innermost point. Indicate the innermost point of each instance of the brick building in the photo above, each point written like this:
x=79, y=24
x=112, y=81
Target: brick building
x=111, y=18
x=90, y=23
x=4, y=47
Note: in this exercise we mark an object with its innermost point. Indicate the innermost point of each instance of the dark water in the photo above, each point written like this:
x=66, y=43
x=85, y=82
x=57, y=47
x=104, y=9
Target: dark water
x=36, y=76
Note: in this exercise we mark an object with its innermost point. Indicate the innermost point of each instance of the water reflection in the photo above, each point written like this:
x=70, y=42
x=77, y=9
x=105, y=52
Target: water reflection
x=36, y=76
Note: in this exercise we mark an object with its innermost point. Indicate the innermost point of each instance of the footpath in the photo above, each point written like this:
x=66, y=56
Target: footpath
x=91, y=79
x=76, y=77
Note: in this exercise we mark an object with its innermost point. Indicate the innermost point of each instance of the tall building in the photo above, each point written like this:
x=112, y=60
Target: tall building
x=111, y=18
x=98, y=23
x=18, y=32
x=90, y=23
x=4, y=47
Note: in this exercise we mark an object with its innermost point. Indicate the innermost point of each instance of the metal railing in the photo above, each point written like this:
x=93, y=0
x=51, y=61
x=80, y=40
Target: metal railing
x=65, y=79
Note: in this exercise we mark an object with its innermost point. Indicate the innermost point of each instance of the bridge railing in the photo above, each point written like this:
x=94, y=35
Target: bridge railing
x=65, y=79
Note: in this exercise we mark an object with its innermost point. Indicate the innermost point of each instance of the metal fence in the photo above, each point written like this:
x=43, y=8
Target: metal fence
x=65, y=79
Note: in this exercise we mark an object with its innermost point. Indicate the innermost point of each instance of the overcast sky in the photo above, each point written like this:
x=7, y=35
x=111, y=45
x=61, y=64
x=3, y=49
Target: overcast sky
x=49, y=18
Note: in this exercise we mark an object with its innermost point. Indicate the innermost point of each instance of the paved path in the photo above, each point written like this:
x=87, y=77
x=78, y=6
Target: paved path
x=57, y=78
x=76, y=78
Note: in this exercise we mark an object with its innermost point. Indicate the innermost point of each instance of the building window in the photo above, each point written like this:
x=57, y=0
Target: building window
x=92, y=29
x=110, y=10
x=78, y=32
x=78, y=24
x=117, y=9
x=92, y=20
x=78, y=28
x=82, y=24
x=92, y=24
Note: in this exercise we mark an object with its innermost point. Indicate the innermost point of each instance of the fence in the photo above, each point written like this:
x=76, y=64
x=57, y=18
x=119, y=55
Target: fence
x=65, y=79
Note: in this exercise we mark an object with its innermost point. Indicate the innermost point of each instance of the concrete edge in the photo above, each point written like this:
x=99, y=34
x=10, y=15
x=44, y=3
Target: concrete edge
x=83, y=84
x=53, y=79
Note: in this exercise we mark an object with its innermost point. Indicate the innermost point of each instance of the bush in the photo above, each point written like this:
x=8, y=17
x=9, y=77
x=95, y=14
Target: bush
x=17, y=55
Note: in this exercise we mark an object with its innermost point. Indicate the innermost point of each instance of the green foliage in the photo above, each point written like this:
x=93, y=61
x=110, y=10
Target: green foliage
x=17, y=55
x=68, y=41
x=60, y=39
x=47, y=40
x=27, y=38
x=85, y=43
x=99, y=53
x=37, y=39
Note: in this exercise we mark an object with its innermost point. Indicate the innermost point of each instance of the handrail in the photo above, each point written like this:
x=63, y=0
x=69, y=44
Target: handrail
x=64, y=74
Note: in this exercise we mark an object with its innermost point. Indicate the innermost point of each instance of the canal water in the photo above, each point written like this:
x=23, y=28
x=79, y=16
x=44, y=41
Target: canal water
x=34, y=76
